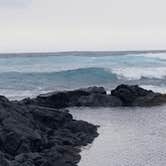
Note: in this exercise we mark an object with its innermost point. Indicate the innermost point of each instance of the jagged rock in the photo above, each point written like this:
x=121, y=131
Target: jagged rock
x=92, y=96
x=152, y=99
x=66, y=98
x=133, y=95
x=3, y=160
x=31, y=135
x=99, y=100
x=33, y=132
x=123, y=95
x=129, y=93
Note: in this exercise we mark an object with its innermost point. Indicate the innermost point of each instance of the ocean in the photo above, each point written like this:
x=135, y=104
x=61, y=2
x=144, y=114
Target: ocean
x=127, y=136
x=28, y=75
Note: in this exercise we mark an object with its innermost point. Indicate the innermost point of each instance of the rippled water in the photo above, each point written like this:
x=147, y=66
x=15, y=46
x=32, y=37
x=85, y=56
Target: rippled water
x=31, y=74
x=128, y=136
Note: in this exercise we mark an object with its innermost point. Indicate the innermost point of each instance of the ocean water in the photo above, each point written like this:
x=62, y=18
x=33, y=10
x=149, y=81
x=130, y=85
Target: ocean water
x=128, y=136
x=27, y=75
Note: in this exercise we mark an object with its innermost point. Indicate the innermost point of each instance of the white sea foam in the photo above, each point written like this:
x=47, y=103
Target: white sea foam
x=160, y=89
x=137, y=73
x=20, y=94
x=161, y=56
x=29, y=72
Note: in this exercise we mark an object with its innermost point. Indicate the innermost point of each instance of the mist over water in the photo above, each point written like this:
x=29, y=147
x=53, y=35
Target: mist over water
x=32, y=74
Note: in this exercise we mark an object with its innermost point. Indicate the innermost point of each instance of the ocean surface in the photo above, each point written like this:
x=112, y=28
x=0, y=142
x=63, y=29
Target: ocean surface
x=27, y=75
x=128, y=136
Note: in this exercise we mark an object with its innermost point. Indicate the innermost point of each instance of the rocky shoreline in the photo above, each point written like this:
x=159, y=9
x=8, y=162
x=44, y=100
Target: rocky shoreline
x=31, y=135
x=122, y=95
x=41, y=132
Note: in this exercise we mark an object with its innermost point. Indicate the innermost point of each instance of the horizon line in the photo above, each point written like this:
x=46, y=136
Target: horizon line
x=87, y=51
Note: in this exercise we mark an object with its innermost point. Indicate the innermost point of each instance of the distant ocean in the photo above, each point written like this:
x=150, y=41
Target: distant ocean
x=27, y=75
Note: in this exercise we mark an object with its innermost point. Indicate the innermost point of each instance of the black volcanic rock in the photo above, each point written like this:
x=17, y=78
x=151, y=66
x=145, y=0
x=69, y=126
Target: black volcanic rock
x=133, y=95
x=33, y=132
x=123, y=95
x=152, y=99
x=67, y=98
x=99, y=100
x=92, y=96
x=31, y=135
x=129, y=93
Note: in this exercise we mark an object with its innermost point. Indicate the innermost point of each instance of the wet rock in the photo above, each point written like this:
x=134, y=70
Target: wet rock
x=92, y=96
x=99, y=100
x=12, y=142
x=152, y=99
x=3, y=160
x=33, y=132
x=31, y=135
x=123, y=95
x=129, y=93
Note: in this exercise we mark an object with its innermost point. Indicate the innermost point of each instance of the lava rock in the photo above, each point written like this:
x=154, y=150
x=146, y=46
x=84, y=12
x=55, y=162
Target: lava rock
x=66, y=98
x=31, y=135
x=129, y=93
x=99, y=100
x=3, y=160
x=92, y=96
x=152, y=99
x=123, y=95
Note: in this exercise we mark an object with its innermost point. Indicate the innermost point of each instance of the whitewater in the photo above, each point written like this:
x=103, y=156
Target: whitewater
x=127, y=136
x=31, y=74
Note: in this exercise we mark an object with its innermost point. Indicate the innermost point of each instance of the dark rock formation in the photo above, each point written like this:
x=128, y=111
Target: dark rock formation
x=133, y=95
x=33, y=132
x=37, y=136
x=152, y=99
x=68, y=98
x=92, y=96
x=123, y=95
x=129, y=93
x=99, y=100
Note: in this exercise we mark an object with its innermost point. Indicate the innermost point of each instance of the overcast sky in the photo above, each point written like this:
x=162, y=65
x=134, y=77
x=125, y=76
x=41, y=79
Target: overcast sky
x=61, y=25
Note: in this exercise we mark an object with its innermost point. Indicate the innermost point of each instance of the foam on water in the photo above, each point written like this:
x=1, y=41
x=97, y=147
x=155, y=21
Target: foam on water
x=12, y=94
x=136, y=73
x=160, y=89
x=128, y=136
x=161, y=56
x=67, y=71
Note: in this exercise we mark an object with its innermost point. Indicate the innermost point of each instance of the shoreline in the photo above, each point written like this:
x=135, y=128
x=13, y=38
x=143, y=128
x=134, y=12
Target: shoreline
x=122, y=95
x=127, y=136
x=32, y=135
x=42, y=131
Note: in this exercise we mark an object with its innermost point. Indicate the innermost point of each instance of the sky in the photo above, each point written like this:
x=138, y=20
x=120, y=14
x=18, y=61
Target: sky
x=82, y=25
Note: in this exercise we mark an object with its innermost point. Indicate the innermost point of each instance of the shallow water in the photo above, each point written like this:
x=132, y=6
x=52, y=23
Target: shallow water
x=128, y=136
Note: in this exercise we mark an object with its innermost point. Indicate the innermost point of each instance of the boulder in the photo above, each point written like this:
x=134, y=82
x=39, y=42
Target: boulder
x=129, y=93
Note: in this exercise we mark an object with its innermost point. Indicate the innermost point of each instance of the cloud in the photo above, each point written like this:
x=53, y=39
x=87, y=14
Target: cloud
x=15, y=3
x=29, y=25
